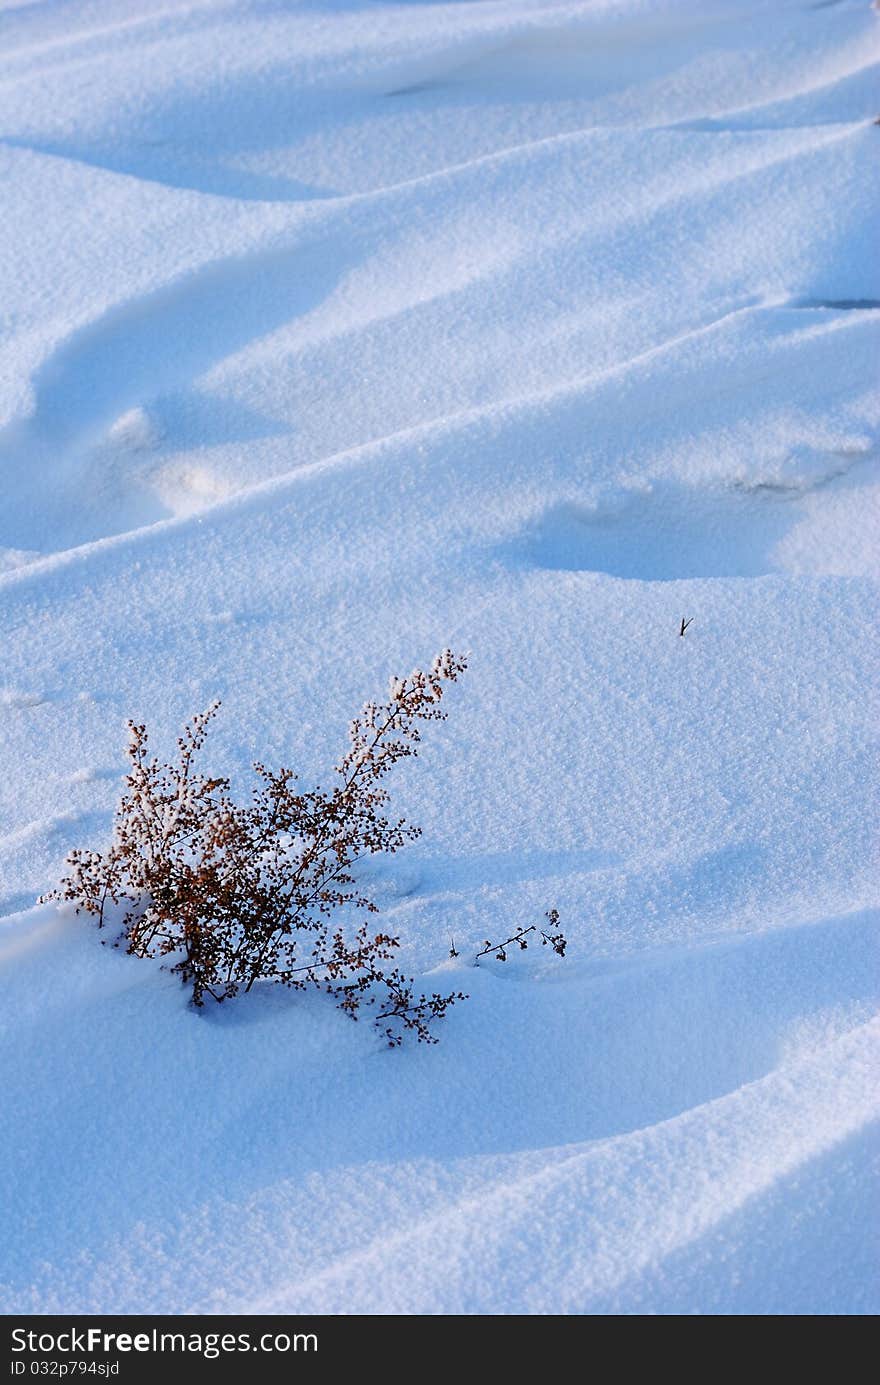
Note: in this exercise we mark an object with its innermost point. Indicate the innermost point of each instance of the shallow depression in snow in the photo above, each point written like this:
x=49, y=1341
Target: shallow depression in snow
x=664, y=533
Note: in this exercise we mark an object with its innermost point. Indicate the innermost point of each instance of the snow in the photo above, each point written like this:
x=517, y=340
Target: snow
x=335, y=334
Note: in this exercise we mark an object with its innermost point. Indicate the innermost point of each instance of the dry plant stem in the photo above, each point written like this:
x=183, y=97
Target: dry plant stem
x=234, y=893
x=556, y=940
x=499, y=948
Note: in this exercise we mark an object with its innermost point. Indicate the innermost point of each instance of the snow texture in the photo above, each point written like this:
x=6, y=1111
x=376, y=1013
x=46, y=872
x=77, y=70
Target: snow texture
x=334, y=334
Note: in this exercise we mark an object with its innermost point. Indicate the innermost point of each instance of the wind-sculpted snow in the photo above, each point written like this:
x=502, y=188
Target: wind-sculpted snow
x=330, y=337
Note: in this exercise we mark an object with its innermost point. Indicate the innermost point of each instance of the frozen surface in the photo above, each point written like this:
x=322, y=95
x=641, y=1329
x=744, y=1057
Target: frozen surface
x=331, y=334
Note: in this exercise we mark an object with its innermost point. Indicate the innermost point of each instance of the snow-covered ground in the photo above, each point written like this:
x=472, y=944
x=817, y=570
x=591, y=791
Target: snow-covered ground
x=332, y=334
